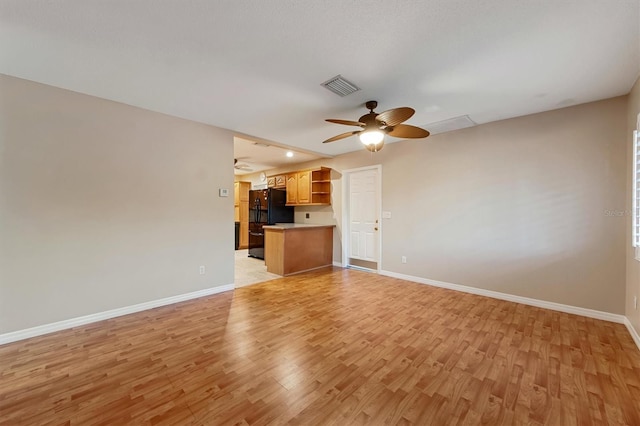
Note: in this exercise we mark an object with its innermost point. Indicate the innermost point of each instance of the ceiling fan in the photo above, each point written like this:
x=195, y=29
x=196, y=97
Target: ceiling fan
x=374, y=126
x=243, y=167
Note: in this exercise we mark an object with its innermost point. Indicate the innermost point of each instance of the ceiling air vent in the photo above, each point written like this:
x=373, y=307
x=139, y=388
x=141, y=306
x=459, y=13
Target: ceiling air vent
x=340, y=86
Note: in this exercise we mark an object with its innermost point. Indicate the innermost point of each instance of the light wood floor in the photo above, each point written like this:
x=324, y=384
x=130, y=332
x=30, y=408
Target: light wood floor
x=329, y=347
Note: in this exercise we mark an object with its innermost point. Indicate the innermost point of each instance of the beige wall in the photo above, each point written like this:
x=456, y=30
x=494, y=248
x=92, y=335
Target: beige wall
x=103, y=205
x=517, y=206
x=633, y=266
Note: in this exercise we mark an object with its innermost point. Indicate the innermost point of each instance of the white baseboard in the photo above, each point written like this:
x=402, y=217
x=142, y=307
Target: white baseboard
x=362, y=268
x=634, y=333
x=100, y=316
x=591, y=313
x=338, y=264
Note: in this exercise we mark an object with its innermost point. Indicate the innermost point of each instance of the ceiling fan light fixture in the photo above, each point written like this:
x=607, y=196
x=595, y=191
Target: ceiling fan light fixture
x=371, y=137
x=374, y=126
x=375, y=147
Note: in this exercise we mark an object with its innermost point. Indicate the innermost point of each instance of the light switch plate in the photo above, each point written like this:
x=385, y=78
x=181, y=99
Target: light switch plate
x=386, y=215
x=223, y=192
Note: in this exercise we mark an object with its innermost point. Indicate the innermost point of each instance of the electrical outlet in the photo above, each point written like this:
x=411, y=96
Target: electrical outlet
x=201, y=269
x=307, y=216
x=404, y=259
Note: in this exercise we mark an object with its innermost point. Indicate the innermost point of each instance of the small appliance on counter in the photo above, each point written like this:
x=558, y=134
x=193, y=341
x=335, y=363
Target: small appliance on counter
x=266, y=207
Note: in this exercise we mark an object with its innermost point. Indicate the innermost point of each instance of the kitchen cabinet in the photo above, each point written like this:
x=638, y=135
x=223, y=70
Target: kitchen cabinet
x=291, y=248
x=304, y=187
x=241, y=210
x=292, y=189
x=320, y=186
x=277, y=181
x=309, y=187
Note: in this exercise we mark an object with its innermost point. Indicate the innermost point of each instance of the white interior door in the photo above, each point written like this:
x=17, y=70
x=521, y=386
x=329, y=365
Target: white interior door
x=363, y=215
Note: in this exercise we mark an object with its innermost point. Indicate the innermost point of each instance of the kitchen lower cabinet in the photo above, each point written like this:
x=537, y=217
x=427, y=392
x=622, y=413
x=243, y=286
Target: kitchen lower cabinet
x=290, y=248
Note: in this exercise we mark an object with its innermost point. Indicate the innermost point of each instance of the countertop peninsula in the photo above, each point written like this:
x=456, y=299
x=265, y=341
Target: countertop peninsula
x=296, y=226
x=291, y=248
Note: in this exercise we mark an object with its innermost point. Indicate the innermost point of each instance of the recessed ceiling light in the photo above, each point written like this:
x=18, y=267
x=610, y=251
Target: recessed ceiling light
x=289, y=154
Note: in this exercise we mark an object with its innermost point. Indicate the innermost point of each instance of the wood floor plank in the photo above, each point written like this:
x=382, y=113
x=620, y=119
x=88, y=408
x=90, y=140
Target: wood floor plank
x=333, y=347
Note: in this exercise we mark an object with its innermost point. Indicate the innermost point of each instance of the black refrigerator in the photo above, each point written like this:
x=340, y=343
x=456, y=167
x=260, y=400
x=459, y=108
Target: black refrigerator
x=266, y=207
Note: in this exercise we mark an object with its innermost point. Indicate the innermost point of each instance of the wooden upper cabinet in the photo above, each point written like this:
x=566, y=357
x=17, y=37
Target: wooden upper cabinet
x=304, y=187
x=321, y=186
x=277, y=181
x=236, y=193
x=309, y=187
x=292, y=188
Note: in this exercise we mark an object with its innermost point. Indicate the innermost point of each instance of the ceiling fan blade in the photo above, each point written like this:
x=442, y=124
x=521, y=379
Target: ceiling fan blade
x=342, y=136
x=407, y=131
x=395, y=116
x=345, y=122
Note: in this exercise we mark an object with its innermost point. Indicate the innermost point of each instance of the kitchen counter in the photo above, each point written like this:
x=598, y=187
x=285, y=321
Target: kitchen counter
x=296, y=226
x=290, y=248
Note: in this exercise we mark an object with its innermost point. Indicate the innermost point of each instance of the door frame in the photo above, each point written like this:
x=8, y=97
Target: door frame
x=346, y=213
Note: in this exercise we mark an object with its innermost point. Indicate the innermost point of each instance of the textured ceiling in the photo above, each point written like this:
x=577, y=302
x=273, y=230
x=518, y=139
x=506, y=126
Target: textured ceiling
x=256, y=66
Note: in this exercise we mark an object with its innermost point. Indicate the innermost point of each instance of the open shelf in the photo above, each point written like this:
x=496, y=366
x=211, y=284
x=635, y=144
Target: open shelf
x=312, y=186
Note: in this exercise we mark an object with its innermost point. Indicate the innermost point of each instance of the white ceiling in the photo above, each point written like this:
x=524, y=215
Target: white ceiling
x=258, y=155
x=256, y=66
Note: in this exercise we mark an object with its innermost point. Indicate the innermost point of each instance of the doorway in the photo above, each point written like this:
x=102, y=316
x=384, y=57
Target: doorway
x=361, y=218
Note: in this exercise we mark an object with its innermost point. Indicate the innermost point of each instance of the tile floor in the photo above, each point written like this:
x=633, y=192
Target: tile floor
x=250, y=270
